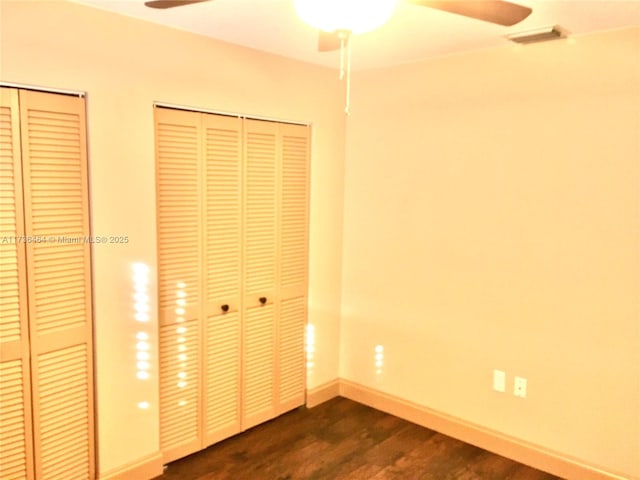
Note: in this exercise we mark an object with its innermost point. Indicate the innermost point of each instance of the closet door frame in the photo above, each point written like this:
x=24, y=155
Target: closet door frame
x=51, y=195
x=17, y=350
x=249, y=304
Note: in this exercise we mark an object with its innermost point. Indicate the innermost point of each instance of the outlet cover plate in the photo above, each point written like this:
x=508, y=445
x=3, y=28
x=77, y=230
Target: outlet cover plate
x=520, y=387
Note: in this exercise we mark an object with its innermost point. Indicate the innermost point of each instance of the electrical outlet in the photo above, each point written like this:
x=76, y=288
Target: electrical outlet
x=520, y=387
x=499, y=381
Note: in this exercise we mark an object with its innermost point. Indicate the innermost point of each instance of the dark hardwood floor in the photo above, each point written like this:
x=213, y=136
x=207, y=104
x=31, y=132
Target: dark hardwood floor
x=341, y=439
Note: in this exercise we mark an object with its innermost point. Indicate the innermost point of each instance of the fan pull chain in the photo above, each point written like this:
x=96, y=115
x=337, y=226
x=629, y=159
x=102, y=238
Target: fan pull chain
x=345, y=49
x=341, y=57
x=347, y=108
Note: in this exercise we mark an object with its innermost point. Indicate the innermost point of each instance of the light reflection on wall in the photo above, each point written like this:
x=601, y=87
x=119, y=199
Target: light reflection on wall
x=181, y=330
x=379, y=359
x=141, y=315
x=310, y=347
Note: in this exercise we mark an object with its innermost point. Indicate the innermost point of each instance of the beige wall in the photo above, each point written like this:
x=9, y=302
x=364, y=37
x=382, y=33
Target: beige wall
x=492, y=221
x=491, y=217
x=125, y=65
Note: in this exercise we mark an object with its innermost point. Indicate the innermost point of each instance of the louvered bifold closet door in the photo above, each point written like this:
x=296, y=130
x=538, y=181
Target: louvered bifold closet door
x=59, y=283
x=292, y=265
x=222, y=276
x=178, y=174
x=16, y=444
x=260, y=247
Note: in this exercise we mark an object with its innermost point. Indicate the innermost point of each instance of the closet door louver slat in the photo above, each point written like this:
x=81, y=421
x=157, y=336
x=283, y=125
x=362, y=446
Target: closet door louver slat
x=55, y=166
x=16, y=454
x=179, y=390
x=292, y=273
x=222, y=391
x=291, y=354
x=258, y=403
x=177, y=153
x=222, y=276
x=260, y=257
x=223, y=214
x=293, y=211
x=178, y=173
x=260, y=221
x=64, y=419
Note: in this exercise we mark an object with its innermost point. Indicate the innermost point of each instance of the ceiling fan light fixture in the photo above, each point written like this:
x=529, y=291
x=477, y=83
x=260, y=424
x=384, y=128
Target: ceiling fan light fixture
x=356, y=16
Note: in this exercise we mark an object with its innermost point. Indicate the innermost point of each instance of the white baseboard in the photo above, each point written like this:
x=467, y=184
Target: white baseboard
x=142, y=469
x=535, y=456
x=322, y=393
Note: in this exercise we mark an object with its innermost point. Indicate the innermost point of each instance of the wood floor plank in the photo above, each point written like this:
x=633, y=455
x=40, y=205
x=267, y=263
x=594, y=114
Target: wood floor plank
x=341, y=439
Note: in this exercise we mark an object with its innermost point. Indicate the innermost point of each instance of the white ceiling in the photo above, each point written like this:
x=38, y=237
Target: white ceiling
x=414, y=33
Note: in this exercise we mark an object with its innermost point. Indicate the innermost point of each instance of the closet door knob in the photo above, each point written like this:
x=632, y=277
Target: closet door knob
x=262, y=300
x=224, y=308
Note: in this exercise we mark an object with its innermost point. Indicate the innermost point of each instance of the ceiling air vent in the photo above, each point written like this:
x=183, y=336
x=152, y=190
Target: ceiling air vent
x=538, y=35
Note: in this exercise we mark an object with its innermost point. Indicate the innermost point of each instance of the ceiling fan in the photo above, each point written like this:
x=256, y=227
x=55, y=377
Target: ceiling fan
x=494, y=11
x=337, y=20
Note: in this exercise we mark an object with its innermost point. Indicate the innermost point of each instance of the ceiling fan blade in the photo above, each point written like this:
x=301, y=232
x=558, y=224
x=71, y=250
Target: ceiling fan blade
x=328, y=42
x=494, y=11
x=171, y=3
